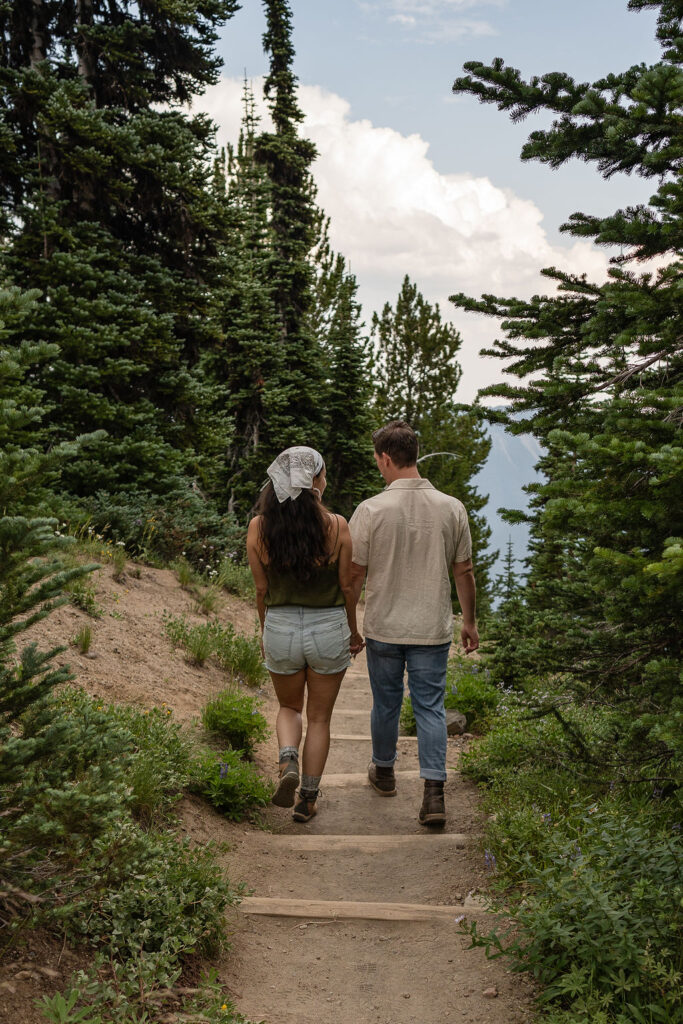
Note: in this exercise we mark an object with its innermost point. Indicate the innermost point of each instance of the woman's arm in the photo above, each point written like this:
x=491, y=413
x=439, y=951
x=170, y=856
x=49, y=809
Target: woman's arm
x=356, y=643
x=257, y=567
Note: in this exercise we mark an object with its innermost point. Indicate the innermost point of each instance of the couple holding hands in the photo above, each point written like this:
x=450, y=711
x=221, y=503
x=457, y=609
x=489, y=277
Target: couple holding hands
x=309, y=566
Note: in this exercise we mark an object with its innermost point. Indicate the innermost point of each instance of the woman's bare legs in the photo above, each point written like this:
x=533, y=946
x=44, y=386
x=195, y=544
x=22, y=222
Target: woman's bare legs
x=289, y=691
x=322, y=693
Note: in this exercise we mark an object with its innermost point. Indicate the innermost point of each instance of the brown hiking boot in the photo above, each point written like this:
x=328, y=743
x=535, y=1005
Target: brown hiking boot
x=382, y=780
x=433, y=810
x=287, y=783
x=307, y=807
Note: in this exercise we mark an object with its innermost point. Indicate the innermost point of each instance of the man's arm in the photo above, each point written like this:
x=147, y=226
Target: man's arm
x=463, y=575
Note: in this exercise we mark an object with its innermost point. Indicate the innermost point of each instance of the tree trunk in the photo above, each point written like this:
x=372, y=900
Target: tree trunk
x=38, y=33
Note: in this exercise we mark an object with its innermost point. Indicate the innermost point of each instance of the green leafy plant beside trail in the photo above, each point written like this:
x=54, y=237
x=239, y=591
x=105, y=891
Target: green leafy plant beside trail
x=236, y=578
x=236, y=718
x=239, y=655
x=590, y=872
x=117, y=877
x=234, y=786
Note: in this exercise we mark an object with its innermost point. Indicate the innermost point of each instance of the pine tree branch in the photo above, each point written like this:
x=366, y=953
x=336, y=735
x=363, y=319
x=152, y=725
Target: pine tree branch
x=630, y=371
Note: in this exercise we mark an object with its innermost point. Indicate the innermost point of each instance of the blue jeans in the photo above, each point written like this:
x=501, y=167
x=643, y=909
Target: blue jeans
x=427, y=685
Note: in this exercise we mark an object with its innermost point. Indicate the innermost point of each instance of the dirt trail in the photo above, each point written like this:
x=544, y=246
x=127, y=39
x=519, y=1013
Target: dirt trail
x=321, y=967
x=360, y=851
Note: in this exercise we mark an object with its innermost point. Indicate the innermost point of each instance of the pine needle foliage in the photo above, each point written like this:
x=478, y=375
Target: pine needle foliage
x=598, y=368
x=106, y=213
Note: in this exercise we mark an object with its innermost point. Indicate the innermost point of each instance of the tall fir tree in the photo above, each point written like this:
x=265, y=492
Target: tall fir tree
x=246, y=362
x=107, y=213
x=33, y=577
x=295, y=398
x=599, y=368
x=417, y=377
x=335, y=320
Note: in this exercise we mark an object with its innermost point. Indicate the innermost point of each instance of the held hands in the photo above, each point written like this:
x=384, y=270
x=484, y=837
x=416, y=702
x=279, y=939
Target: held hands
x=469, y=637
x=356, y=643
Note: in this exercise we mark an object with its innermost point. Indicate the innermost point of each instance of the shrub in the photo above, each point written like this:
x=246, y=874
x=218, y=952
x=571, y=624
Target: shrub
x=239, y=655
x=468, y=690
x=157, y=754
x=207, y=600
x=179, y=524
x=117, y=995
x=601, y=922
x=185, y=573
x=232, y=785
x=236, y=578
x=235, y=716
x=589, y=866
x=118, y=563
x=82, y=595
x=200, y=644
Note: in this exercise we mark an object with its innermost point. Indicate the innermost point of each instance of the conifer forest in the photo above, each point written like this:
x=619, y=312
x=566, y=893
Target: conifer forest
x=172, y=315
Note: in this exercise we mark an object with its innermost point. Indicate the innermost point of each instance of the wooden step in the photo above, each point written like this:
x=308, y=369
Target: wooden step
x=354, y=737
x=338, y=910
x=368, y=843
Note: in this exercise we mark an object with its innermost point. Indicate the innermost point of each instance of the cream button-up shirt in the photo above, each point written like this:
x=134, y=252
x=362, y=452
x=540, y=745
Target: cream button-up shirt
x=409, y=536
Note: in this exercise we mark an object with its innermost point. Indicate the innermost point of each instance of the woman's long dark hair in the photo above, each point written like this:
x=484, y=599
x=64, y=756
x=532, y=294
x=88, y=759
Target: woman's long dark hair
x=294, y=533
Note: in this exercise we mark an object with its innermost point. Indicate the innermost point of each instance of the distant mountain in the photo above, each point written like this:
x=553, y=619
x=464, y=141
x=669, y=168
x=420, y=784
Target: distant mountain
x=509, y=467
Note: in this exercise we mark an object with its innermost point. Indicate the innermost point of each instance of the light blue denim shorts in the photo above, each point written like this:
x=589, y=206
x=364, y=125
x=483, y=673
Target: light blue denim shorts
x=295, y=637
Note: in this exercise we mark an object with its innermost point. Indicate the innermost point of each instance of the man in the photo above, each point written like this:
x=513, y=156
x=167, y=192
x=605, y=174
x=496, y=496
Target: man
x=407, y=539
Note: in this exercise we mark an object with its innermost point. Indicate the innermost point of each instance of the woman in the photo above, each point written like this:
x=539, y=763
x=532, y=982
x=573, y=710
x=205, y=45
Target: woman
x=300, y=558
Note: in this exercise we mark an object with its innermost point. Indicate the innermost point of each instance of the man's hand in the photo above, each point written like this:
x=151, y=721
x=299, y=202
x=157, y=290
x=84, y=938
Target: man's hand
x=469, y=637
x=356, y=644
x=467, y=596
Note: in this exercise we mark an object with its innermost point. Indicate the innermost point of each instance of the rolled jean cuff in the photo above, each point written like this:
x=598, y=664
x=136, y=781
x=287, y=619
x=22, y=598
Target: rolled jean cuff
x=433, y=775
x=384, y=764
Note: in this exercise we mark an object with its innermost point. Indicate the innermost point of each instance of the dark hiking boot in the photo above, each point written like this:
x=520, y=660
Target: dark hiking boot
x=287, y=783
x=382, y=780
x=307, y=807
x=433, y=810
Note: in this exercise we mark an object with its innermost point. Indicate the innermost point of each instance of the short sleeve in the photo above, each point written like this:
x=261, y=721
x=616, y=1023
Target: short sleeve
x=463, y=540
x=359, y=526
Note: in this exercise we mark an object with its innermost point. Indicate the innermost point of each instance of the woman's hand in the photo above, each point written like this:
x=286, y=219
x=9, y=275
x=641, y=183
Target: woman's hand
x=356, y=643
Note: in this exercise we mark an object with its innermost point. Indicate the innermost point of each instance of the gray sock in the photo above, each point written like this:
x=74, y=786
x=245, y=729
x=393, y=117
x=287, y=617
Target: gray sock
x=310, y=783
x=288, y=752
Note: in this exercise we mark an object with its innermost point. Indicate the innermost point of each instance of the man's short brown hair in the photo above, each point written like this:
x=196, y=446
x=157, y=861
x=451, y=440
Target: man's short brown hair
x=399, y=441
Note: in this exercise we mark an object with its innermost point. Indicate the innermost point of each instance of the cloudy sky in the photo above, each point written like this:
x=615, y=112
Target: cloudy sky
x=420, y=182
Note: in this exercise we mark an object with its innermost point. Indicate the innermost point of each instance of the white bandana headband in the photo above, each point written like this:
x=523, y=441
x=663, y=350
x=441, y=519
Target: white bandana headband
x=294, y=470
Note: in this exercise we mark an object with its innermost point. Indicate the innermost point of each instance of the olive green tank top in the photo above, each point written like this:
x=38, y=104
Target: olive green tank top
x=322, y=590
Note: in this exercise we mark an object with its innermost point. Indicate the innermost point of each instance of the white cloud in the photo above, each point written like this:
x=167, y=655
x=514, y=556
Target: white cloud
x=433, y=21
x=393, y=213
x=403, y=19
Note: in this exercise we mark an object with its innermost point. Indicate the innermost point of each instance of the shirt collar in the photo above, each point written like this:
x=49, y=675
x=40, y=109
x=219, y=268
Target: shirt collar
x=409, y=483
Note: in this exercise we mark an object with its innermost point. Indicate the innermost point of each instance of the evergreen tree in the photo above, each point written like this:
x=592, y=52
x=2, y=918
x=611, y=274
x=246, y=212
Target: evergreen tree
x=417, y=377
x=107, y=213
x=600, y=386
x=295, y=398
x=335, y=320
x=32, y=576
